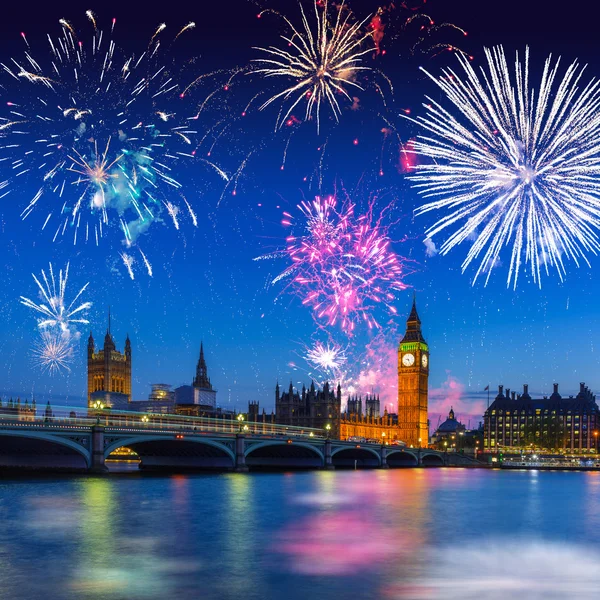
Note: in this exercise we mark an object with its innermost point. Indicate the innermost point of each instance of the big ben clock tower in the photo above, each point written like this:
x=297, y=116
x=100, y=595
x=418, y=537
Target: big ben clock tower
x=413, y=376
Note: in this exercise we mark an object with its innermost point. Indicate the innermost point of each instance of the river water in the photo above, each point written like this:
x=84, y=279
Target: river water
x=412, y=533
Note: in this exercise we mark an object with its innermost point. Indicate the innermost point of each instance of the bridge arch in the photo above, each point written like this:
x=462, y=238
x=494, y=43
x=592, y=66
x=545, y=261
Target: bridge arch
x=41, y=449
x=166, y=451
x=361, y=456
x=430, y=459
x=401, y=458
x=283, y=454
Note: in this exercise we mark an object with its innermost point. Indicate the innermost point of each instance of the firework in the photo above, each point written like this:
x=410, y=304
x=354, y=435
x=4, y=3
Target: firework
x=128, y=261
x=53, y=352
x=95, y=130
x=319, y=65
x=329, y=357
x=343, y=265
x=514, y=166
x=56, y=311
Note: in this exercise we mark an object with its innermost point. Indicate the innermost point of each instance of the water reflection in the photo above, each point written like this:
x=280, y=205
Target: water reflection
x=405, y=534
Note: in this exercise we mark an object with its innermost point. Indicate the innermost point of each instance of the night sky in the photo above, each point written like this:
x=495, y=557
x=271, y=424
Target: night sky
x=206, y=285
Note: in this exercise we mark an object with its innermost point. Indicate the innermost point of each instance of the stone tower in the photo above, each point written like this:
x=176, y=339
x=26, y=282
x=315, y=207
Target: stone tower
x=204, y=393
x=413, y=376
x=109, y=371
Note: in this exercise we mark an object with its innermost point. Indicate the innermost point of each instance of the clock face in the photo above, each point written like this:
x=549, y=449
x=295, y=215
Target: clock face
x=424, y=360
x=408, y=360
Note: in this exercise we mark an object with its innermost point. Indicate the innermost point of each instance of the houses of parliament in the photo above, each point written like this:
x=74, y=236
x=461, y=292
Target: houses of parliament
x=311, y=407
x=109, y=383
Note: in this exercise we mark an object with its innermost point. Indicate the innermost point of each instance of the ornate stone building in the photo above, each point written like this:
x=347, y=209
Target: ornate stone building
x=518, y=420
x=109, y=372
x=309, y=407
x=356, y=425
x=22, y=412
x=413, y=377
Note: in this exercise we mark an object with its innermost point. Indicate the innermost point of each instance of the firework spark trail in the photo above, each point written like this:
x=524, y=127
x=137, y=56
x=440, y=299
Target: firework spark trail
x=57, y=312
x=99, y=119
x=146, y=263
x=192, y=213
x=128, y=261
x=514, y=166
x=53, y=352
x=343, y=265
x=319, y=64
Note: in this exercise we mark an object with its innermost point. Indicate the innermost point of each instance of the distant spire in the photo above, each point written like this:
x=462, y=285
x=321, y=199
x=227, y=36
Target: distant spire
x=108, y=330
x=202, y=380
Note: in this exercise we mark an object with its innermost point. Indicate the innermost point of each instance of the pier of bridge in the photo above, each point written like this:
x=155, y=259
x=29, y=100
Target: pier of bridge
x=173, y=443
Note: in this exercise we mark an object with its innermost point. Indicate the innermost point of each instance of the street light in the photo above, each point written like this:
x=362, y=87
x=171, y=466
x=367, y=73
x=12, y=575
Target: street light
x=596, y=441
x=240, y=419
x=98, y=406
x=383, y=438
x=420, y=442
x=145, y=420
x=328, y=429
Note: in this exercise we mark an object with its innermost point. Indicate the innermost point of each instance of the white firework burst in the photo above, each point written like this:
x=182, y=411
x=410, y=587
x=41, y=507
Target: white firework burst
x=319, y=65
x=328, y=357
x=53, y=352
x=56, y=311
x=513, y=166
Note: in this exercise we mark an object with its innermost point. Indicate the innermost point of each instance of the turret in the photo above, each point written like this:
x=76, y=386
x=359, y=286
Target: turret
x=90, y=347
x=109, y=343
x=277, y=393
x=128, y=347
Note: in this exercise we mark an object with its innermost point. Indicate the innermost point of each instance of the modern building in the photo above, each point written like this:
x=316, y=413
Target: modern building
x=109, y=373
x=413, y=378
x=309, y=407
x=520, y=421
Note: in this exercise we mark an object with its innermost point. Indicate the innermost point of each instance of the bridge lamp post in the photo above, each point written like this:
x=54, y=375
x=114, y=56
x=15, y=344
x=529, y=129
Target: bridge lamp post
x=145, y=420
x=240, y=419
x=420, y=440
x=383, y=438
x=98, y=406
x=245, y=428
x=328, y=429
x=445, y=447
x=596, y=441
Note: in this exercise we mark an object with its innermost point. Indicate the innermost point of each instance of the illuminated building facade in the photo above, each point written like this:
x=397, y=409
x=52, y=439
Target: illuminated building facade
x=518, y=420
x=355, y=426
x=413, y=378
x=22, y=411
x=109, y=373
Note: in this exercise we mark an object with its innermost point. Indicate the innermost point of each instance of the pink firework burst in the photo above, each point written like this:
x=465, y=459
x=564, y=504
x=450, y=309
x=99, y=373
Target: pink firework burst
x=343, y=264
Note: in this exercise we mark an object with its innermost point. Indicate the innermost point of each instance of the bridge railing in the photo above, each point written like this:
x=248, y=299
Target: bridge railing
x=65, y=416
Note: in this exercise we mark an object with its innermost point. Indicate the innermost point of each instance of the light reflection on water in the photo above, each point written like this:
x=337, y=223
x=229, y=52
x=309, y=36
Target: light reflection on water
x=429, y=533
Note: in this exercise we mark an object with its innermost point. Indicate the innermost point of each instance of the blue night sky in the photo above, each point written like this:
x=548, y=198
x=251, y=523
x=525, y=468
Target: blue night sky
x=206, y=285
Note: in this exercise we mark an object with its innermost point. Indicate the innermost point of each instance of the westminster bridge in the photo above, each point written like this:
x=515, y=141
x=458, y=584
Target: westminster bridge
x=84, y=442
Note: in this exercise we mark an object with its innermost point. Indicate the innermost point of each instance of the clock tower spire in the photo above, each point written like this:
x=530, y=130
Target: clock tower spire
x=413, y=376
